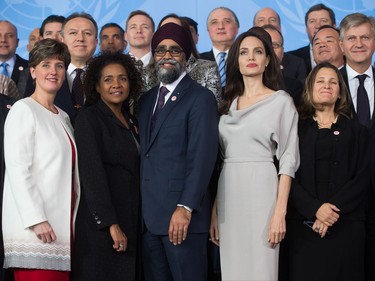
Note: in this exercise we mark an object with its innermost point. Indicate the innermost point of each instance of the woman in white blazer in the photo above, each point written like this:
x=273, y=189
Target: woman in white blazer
x=41, y=185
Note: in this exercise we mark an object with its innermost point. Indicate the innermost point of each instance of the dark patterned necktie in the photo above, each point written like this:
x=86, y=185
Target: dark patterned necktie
x=159, y=106
x=222, y=66
x=77, y=89
x=363, y=105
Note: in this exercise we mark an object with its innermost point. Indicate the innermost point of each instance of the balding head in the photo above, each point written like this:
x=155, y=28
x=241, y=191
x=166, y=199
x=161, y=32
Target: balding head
x=267, y=16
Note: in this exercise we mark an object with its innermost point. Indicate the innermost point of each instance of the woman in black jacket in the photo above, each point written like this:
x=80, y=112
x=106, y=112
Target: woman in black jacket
x=108, y=156
x=326, y=219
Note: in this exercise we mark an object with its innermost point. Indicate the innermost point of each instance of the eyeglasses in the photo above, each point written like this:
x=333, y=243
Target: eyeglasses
x=174, y=52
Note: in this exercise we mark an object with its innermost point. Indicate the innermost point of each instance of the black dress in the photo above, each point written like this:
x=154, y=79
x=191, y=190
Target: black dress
x=108, y=161
x=340, y=254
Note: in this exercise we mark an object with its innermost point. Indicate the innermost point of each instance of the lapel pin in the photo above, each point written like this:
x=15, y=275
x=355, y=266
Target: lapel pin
x=9, y=106
x=173, y=98
x=20, y=68
x=336, y=133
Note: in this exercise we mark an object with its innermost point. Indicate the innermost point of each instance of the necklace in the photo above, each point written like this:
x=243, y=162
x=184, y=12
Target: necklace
x=324, y=125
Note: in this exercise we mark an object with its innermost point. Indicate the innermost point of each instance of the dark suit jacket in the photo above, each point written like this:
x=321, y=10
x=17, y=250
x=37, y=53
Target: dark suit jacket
x=293, y=67
x=294, y=88
x=108, y=161
x=207, y=55
x=371, y=128
x=20, y=65
x=5, y=104
x=349, y=171
x=63, y=97
x=178, y=157
x=303, y=53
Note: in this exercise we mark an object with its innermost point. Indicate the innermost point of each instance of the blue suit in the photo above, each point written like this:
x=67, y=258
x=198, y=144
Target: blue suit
x=177, y=160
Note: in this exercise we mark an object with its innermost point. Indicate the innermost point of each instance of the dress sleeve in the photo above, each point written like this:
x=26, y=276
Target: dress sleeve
x=287, y=151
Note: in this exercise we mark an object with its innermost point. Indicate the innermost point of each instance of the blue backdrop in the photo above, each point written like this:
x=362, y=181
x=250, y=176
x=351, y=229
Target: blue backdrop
x=28, y=14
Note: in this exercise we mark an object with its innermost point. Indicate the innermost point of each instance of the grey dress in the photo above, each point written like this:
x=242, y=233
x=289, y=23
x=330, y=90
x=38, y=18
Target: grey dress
x=248, y=183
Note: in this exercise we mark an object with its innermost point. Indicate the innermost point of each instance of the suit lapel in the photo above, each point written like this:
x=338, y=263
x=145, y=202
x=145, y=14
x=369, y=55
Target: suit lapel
x=345, y=76
x=372, y=122
x=172, y=102
x=149, y=107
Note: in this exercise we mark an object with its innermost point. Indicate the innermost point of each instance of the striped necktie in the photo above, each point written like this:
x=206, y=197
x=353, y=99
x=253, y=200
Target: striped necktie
x=222, y=66
x=4, y=70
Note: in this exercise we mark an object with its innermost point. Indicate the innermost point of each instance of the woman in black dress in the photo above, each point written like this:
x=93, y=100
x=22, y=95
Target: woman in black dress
x=325, y=219
x=107, y=142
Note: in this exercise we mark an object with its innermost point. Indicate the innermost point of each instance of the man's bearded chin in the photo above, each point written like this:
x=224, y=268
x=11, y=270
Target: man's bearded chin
x=168, y=76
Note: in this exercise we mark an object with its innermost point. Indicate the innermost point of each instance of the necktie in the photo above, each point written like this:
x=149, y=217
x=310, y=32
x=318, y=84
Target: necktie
x=363, y=105
x=77, y=89
x=139, y=63
x=159, y=106
x=4, y=70
x=222, y=65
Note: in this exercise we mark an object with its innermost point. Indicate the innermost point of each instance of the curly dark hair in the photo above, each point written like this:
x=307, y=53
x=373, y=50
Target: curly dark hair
x=235, y=86
x=308, y=107
x=94, y=72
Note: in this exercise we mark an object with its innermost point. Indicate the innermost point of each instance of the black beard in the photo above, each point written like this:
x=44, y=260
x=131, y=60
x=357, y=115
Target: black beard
x=167, y=76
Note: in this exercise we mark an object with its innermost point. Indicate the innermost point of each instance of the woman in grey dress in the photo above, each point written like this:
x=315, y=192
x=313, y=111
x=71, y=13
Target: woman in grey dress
x=258, y=123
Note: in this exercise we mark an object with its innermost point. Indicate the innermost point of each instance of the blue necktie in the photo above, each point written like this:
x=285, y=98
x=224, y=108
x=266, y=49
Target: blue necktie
x=159, y=106
x=363, y=105
x=222, y=65
x=4, y=70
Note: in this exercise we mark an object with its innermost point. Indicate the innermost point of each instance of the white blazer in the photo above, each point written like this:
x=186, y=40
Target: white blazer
x=38, y=186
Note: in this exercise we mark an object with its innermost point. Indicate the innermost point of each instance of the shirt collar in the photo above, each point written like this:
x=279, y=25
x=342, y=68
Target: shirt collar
x=171, y=87
x=145, y=59
x=352, y=73
x=11, y=62
x=217, y=52
x=71, y=69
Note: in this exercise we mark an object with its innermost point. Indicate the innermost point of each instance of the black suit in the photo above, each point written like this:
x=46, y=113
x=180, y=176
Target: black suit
x=344, y=182
x=5, y=103
x=109, y=171
x=294, y=88
x=370, y=219
x=303, y=53
x=207, y=55
x=294, y=67
x=20, y=65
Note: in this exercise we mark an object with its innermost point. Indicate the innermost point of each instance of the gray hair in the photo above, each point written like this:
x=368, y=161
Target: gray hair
x=354, y=20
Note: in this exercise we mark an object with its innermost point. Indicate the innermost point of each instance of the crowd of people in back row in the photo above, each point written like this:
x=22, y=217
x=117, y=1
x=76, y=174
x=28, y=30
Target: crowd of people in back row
x=240, y=163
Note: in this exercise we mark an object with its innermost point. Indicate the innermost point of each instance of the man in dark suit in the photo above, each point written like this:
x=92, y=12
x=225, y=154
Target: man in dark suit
x=357, y=41
x=292, y=85
x=293, y=67
x=326, y=46
x=179, y=142
x=80, y=34
x=11, y=64
x=222, y=26
x=317, y=16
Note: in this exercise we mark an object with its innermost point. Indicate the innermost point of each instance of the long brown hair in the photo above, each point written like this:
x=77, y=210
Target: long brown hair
x=308, y=107
x=234, y=84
